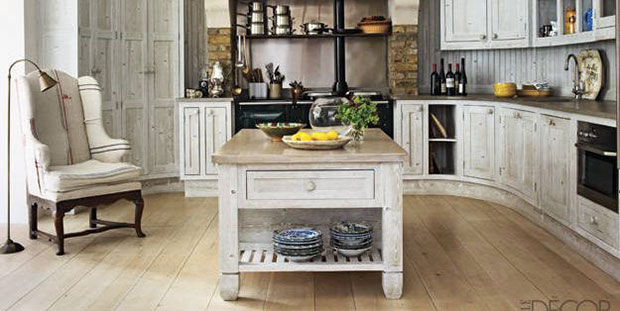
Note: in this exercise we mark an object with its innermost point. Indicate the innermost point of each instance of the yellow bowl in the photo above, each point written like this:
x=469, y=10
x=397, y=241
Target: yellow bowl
x=505, y=90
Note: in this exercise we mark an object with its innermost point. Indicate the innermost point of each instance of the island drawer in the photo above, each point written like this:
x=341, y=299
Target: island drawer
x=300, y=185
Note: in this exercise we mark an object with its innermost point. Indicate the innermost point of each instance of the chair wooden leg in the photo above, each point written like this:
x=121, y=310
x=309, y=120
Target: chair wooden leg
x=33, y=220
x=60, y=231
x=139, y=202
x=93, y=218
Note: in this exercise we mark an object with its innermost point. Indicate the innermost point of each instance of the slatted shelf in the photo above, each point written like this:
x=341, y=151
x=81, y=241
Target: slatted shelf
x=260, y=257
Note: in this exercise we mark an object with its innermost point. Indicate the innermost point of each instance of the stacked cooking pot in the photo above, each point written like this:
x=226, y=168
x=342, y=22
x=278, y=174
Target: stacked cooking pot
x=282, y=21
x=256, y=18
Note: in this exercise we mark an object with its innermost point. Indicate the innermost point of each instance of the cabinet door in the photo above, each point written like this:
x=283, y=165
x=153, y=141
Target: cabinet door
x=163, y=50
x=216, y=133
x=191, y=141
x=555, y=155
x=85, y=36
x=134, y=96
x=509, y=20
x=412, y=128
x=105, y=59
x=465, y=20
x=518, y=167
x=479, y=141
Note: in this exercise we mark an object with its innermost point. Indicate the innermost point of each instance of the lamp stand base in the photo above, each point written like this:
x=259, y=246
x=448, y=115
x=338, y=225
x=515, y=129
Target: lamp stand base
x=11, y=247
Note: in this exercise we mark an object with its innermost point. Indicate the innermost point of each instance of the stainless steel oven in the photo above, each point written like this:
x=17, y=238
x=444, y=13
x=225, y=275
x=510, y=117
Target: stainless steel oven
x=597, y=168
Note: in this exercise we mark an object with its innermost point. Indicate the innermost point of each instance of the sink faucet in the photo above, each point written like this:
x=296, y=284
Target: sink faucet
x=578, y=88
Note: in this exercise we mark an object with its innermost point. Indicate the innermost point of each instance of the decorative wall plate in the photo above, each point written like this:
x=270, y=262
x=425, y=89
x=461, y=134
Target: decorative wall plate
x=592, y=73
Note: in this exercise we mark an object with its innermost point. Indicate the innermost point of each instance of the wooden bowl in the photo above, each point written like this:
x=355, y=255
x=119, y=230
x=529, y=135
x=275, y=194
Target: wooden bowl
x=277, y=130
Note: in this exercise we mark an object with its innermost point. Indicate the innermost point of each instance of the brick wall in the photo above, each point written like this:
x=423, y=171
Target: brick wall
x=403, y=60
x=219, y=49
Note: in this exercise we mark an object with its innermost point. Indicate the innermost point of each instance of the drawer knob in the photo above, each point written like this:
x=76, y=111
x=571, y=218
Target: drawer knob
x=310, y=186
x=593, y=220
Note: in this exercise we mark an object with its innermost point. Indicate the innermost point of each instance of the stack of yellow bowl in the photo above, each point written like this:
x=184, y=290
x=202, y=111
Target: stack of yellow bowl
x=505, y=90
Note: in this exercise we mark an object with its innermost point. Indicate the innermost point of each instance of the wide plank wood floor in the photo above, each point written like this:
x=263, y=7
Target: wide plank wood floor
x=460, y=254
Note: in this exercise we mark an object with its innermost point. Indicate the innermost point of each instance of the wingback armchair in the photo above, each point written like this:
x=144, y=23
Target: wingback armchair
x=70, y=159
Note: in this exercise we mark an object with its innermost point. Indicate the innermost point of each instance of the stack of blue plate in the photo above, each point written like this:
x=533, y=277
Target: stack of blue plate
x=298, y=244
x=351, y=239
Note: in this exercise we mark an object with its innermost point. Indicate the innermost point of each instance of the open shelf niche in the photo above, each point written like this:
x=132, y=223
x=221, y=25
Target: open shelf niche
x=442, y=139
x=256, y=227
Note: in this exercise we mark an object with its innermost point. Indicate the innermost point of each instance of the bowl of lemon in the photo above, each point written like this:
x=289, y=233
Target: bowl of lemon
x=316, y=140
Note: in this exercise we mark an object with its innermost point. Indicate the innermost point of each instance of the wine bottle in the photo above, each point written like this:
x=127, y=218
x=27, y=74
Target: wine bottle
x=457, y=79
x=442, y=79
x=435, y=82
x=450, y=87
x=463, y=80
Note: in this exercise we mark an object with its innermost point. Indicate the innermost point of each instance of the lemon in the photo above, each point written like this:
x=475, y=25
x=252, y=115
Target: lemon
x=319, y=136
x=332, y=135
x=305, y=136
x=296, y=137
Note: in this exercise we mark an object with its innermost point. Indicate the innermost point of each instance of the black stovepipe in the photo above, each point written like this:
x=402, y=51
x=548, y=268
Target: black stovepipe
x=340, y=86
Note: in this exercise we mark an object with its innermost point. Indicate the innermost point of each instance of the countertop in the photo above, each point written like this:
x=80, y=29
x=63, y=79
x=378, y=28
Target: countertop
x=204, y=100
x=254, y=147
x=600, y=109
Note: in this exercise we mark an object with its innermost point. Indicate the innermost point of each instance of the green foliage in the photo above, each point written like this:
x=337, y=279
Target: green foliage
x=360, y=114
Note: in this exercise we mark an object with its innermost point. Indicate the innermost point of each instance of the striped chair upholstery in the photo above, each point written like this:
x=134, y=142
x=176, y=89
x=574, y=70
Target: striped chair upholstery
x=68, y=154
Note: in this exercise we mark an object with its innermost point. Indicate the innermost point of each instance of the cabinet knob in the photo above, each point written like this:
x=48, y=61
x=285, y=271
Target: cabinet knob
x=495, y=36
x=310, y=186
x=483, y=37
x=551, y=123
x=593, y=220
x=490, y=111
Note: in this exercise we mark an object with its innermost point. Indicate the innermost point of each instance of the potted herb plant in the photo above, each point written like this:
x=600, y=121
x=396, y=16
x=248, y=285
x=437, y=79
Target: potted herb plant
x=359, y=113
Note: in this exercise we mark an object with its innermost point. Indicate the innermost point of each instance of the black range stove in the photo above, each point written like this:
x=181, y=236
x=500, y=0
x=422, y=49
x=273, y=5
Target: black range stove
x=249, y=112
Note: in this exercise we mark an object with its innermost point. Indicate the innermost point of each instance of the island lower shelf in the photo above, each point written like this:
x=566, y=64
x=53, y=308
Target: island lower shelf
x=262, y=258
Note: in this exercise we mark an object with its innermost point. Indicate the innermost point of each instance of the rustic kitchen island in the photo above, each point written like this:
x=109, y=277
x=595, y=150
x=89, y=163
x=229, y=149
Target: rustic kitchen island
x=265, y=185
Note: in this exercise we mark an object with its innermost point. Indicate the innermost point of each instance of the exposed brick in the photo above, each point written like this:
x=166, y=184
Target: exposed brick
x=219, y=48
x=403, y=59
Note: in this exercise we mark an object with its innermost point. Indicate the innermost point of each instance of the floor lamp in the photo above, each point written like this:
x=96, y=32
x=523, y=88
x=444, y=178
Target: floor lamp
x=45, y=83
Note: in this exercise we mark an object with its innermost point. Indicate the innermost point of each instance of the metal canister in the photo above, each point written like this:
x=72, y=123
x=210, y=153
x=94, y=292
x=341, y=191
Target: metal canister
x=257, y=28
x=257, y=17
x=256, y=6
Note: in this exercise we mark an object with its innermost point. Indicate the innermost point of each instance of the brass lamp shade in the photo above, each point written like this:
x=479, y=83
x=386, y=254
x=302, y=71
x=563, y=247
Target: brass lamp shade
x=45, y=81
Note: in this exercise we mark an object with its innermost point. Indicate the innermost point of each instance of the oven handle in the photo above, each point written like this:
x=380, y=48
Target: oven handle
x=611, y=154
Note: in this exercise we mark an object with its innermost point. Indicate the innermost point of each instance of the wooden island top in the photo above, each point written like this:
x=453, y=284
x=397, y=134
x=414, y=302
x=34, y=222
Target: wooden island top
x=254, y=147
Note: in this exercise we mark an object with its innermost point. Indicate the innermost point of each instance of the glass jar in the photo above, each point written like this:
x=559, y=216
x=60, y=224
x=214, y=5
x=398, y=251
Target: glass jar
x=323, y=116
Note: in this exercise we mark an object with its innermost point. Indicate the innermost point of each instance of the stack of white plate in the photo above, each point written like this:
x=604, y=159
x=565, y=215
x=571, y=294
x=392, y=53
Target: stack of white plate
x=351, y=239
x=298, y=244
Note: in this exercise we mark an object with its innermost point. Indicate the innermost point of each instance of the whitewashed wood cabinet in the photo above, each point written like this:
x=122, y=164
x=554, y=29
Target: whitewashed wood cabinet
x=509, y=23
x=464, y=23
x=518, y=151
x=411, y=137
x=475, y=24
x=205, y=126
x=555, y=145
x=479, y=142
x=133, y=49
x=523, y=150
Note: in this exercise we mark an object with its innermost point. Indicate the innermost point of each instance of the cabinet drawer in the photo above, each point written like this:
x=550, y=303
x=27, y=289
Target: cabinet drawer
x=311, y=185
x=599, y=222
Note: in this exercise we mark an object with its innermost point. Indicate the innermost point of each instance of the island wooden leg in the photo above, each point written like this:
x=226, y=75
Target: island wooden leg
x=229, y=286
x=392, y=225
x=228, y=232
